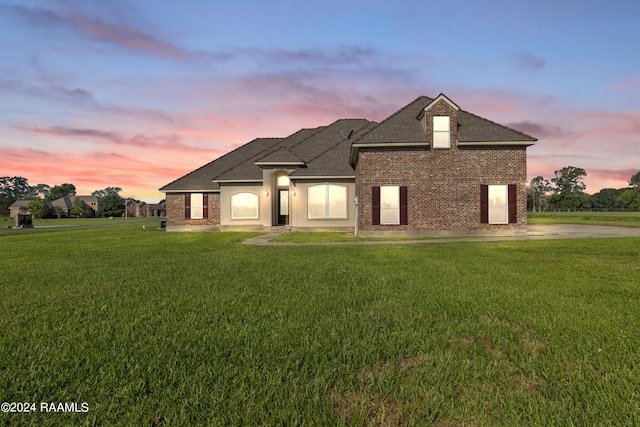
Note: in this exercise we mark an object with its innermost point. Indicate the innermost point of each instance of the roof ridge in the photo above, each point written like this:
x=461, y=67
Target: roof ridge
x=340, y=141
x=394, y=114
x=500, y=125
x=250, y=158
x=317, y=129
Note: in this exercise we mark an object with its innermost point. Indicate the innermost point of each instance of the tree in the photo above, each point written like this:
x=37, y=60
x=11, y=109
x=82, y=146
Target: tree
x=106, y=191
x=630, y=198
x=111, y=205
x=537, y=190
x=569, y=188
x=635, y=180
x=78, y=207
x=62, y=191
x=17, y=188
x=607, y=199
x=37, y=207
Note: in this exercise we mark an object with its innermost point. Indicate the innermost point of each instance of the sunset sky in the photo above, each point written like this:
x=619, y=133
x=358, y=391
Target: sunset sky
x=135, y=94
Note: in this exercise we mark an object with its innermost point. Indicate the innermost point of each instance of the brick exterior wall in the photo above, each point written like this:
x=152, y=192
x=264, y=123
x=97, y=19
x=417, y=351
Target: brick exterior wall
x=443, y=185
x=175, y=210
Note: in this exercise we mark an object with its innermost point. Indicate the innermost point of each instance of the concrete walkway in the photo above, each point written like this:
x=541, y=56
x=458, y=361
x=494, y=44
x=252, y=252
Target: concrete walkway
x=534, y=232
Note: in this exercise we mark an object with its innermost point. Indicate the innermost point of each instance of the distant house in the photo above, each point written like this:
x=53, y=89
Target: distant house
x=157, y=209
x=62, y=206
x=430, y=167
x=18, y=207
x=136, y=208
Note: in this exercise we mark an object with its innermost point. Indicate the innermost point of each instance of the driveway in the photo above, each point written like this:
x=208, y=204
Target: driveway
x=534, y=232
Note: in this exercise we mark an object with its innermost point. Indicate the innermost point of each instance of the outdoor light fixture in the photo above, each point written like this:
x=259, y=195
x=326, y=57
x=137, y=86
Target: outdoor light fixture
x=293, y=192
x=266, y=192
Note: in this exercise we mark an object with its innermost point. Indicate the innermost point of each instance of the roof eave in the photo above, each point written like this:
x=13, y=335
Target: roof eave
x=500, y=143
x=355, y=147
x=280, y=163
x=293, y=178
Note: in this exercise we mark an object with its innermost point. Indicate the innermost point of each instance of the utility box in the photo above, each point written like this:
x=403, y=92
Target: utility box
x=24, y=221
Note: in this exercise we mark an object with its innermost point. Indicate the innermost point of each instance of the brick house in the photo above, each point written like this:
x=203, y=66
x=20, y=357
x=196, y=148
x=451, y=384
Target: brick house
x=430, y=168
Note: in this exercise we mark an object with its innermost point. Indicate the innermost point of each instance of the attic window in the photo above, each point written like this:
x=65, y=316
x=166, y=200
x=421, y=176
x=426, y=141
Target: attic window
x=441, y=132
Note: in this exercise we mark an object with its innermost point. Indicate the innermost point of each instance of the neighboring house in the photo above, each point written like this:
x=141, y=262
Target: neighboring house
x=136, y=208
x=62, y=206
x=18, y=207
x=157, y=209
x=92, y=202
x=429, y=168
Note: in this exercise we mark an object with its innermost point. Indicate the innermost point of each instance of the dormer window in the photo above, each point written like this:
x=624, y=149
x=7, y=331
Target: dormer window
x=441, y=132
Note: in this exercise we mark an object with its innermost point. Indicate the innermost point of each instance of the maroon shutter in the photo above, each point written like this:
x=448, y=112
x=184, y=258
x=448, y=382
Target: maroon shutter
x=484, y=204
x=205, y=206
x=375, y=220
x=404, y=220
x=187, y=206
x=513, y=204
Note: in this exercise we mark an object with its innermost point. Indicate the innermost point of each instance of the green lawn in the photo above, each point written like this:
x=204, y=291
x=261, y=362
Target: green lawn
x=155, y=328
x=623, y=219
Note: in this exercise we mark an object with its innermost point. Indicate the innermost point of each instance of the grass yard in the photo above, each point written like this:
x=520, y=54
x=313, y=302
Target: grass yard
x=155, y=328
x=623, y=219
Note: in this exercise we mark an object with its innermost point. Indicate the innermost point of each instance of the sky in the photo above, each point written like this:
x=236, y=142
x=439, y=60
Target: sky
x=135, y=94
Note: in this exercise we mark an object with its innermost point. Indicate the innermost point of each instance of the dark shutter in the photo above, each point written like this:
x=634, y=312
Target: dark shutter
x=404, y=220
x=205, y=206
x=513, y=204
x=484, y=204
x=187, y=206
x=375, y=207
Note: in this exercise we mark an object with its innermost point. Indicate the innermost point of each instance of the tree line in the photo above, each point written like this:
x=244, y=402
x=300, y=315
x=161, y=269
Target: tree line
x=40, y=197
x=566, y=191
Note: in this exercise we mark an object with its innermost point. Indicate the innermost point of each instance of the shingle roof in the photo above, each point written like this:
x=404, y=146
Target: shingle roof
x=400, y=127
x=201, y=179
x=325, y=150
x=327, y=153
x=19, y=204
x=281, y=155
x=404, y=127
x=473, y=128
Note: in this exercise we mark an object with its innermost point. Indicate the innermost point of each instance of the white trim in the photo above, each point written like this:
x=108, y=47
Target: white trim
x=189, y=191
x=501, y=143
x=444, y=98
x=391, y=144
x=231, y=181
x=323, y=177
x=280, y=163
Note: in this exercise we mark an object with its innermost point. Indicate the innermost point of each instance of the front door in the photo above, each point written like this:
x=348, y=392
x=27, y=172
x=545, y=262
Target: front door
x=283, y=207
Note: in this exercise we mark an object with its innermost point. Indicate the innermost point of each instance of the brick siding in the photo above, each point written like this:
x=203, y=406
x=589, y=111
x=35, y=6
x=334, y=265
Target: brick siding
x=175, y=210
x=443, y=186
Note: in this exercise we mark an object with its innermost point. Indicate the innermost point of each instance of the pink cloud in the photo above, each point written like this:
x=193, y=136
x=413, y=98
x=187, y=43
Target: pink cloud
x=97, y=29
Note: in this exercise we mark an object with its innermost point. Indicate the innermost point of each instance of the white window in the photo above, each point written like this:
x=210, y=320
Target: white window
x=441, y=132
x=244, y=206
x=389, y=204
x=498, y=204
x=197, y=204
x=327, y=201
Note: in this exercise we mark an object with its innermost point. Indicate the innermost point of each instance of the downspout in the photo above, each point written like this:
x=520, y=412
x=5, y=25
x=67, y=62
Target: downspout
x=355, y=227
